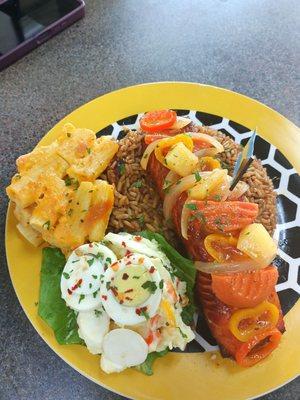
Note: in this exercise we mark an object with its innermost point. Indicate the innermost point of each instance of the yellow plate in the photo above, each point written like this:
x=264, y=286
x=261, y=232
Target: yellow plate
x=177, y=376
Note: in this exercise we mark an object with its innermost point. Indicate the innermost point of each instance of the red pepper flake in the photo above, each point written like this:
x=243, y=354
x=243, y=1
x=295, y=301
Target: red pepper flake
x=114, y=290
x=69, y=291
x=138, y=311
x=125, y=277
x=128, y=253
x=77, y=285
x=128, y=298
x=151, y=270
x=128, y=263
x=90, y=245
x=104, y=297
x=138, y=238
x=123, y=244
x=128, y=291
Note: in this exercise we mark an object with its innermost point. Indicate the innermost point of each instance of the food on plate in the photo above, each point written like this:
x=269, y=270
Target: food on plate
x=220, y=230
x=129, y=294
x=56, y=193
x=111, y=281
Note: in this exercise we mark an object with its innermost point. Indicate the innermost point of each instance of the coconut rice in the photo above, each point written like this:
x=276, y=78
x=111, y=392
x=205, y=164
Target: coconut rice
x=137, y=203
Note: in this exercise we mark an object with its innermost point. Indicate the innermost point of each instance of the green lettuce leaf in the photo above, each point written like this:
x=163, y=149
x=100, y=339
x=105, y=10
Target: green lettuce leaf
x=184, y=269
x=52, y=308
x=146, y=367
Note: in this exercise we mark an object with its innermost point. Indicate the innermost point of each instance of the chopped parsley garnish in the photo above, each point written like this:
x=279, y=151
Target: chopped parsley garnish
x=145, y=314
x=88, y=150
x=219, y=223
x=197, y=176
x=141, y=220
x=90, y=285
x=135, y=277
x=137, y=184
x=191, y=206
x=150, y=286
x=98, y=313
x=75, y=261
x=182, y=334
x=95, y=276
x=108, y=285
x=81, y=297
x=161, y=284
x=71, y=181
x=66, y=275
x=98, y=255
x=217, y=197
x=108, y=260
x=95, y=293
x=46, y=225
x=90, y=261
x=200, y=216
x=121, y=167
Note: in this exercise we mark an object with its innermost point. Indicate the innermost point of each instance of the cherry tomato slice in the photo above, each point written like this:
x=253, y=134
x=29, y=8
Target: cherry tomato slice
x=154, y=121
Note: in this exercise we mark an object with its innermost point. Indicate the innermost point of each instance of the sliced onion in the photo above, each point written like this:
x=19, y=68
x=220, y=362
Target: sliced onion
x=222, y=191
x=185, y=219
x=181, y=122
x=238, y=191
x=210, y=152
x=170, y=179
x=223, y=268
x=208, y=139
x=176, y=189
x=147, y=153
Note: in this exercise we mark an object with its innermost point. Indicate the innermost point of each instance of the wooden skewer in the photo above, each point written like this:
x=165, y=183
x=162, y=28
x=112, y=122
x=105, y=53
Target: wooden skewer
x=243, y=168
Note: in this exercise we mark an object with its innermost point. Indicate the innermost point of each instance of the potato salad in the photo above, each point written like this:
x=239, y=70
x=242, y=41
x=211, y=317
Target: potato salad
x=127, y=298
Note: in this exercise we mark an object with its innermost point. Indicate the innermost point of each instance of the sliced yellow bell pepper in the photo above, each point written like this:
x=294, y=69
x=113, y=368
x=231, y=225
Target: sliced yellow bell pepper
x=164, y=145
x=256, y=324
x=220, y=247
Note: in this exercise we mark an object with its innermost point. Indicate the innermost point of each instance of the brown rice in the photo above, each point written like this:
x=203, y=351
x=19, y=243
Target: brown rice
x=137, y=203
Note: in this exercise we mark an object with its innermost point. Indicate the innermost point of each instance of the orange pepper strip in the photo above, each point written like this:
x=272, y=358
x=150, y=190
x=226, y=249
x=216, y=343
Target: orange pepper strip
x=257, y=323
x=208, y=163
x=247, y=355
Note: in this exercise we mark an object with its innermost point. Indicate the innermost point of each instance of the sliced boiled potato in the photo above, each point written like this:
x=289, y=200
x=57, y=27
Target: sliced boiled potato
x=124, y=348
x=208, y=184
x=181, y=160
x=93, y=326
x=255, y=241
